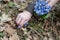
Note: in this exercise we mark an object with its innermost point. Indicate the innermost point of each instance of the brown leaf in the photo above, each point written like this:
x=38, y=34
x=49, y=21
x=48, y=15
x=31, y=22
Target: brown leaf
x=14, y=37
x=10, y=30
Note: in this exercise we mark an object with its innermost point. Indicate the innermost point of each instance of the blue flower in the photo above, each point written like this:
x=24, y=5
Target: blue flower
x=41, y=7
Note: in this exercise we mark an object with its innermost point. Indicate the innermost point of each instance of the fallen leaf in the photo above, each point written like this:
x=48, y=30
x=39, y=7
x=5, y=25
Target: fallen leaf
x=14, y=37
x=10, y=30
x=7, y=0
x=1, y=34
x=4, y=38
x=2, y=28
x=5, y=18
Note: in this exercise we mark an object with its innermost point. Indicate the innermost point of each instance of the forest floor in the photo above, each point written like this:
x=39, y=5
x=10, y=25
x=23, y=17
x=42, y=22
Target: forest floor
x=38, y=28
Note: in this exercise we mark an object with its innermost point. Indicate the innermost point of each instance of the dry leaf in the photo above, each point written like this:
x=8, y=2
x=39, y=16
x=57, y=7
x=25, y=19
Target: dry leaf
x=16, y=1
x=2, y=28
x=50, y=38
x=10, y=30
x=28, y=39
x=5, y=18
x=7, y=0
x=4, y=38
x=45, y=38
x=14, y=37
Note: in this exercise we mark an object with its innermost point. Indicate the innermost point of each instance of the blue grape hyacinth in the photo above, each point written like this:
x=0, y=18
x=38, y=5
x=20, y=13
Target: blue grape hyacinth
x=41, y=7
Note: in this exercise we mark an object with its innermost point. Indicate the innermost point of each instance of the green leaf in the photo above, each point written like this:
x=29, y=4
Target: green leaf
x=48, y=15
x=11, y=4
x=45, y=16
x=0, y=14
x=1, y=34
x=6, y=10
x=40, y=30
